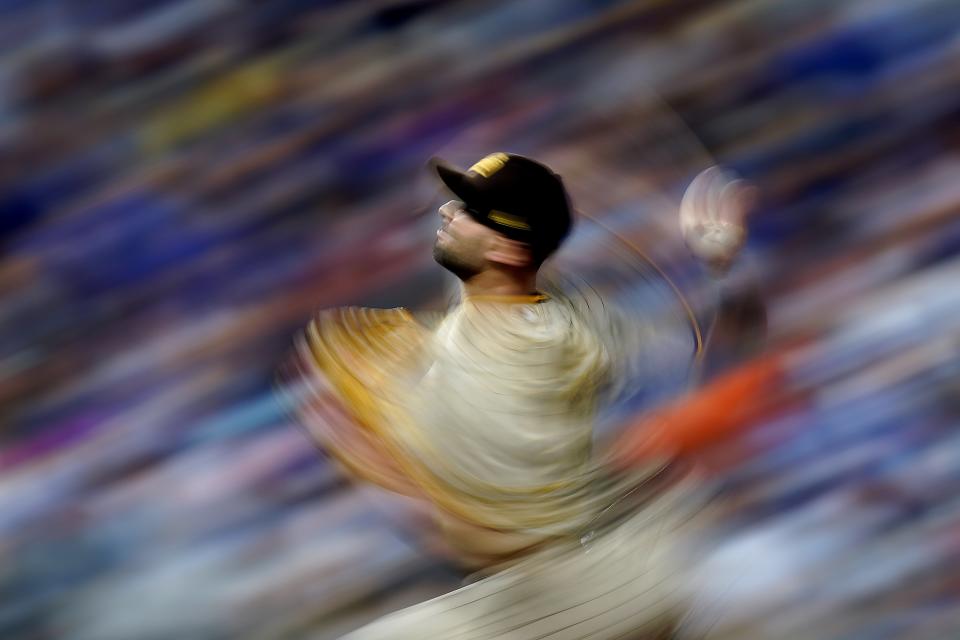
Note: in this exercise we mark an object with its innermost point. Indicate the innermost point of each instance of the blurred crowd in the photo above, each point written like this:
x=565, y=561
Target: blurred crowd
x=185, y=181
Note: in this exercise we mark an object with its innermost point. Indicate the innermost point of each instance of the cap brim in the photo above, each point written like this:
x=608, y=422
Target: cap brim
x=454, y=179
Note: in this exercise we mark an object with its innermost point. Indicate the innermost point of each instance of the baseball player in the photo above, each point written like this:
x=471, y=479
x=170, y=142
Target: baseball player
x=485, y=418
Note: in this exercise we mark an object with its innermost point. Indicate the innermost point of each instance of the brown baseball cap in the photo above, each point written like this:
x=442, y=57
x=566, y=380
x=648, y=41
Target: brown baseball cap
x=519, y=197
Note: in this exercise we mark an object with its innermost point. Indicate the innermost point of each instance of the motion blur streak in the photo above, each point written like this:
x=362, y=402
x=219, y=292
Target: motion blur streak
x=183, y=182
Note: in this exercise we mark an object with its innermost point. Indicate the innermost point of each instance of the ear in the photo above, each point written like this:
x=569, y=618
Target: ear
x=511, y=253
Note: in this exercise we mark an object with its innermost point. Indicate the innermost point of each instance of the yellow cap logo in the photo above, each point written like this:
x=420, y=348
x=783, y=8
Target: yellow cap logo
x=509, y=220
x=491, y=164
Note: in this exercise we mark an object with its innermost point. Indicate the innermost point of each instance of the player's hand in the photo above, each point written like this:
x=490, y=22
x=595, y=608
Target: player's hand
x=712, y=217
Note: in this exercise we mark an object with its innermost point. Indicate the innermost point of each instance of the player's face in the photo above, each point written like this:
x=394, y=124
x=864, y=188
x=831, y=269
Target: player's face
x=462, y=242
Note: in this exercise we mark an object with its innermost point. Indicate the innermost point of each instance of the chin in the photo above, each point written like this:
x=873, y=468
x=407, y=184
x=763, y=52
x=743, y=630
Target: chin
x=453, y=263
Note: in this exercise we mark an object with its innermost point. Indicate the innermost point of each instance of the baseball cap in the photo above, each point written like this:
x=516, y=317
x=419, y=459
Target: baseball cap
x=519, y=197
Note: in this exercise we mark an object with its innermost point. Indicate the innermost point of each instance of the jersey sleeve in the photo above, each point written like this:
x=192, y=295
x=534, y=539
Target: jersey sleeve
x=652, y=351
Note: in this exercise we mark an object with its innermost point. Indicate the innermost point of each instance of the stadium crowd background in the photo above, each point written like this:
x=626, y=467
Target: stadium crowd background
x=184, y=182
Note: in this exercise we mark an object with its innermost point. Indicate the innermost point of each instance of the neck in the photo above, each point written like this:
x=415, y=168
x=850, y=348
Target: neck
x=499, y=283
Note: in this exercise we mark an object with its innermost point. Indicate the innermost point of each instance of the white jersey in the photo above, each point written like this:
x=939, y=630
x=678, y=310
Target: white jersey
x=491, y=416
x=510, y=396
